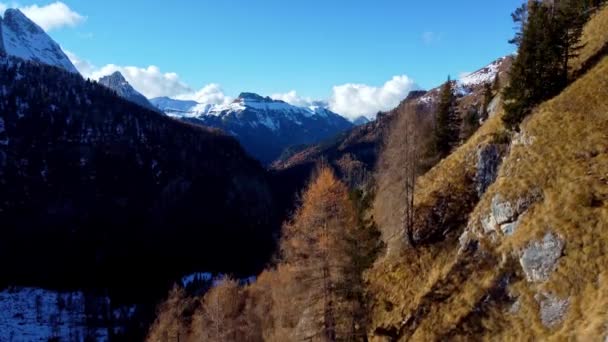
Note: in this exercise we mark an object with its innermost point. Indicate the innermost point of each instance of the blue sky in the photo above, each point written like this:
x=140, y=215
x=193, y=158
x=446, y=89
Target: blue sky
x=273, y=46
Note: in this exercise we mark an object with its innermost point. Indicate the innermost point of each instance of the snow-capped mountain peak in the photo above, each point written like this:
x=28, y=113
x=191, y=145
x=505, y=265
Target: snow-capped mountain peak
x=119, y=84
x=264, y=126
x=21, y=37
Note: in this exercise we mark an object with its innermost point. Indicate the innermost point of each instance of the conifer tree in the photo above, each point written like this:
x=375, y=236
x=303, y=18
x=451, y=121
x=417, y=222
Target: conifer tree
x=447, y=125
x=319, y=245
x=548, y=38
x=571, y=17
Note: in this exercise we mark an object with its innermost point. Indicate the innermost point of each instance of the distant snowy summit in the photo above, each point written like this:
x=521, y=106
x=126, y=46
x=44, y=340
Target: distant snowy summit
x=484, y=75
x=264, y=126
x=21, y=37
x=119, y=84
x=471, y=82
x=245, y=101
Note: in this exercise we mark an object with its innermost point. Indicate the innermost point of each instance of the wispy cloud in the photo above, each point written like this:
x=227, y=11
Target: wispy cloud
x=49, y=17
x=209, y=94
x=293, y=98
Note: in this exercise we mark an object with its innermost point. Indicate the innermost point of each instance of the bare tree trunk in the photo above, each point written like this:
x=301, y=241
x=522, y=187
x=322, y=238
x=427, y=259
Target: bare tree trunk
x=411, y=170
x=329, y=321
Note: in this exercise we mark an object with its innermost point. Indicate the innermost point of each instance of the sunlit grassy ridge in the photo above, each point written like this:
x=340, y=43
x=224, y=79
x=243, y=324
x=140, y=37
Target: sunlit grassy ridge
x=439, y=292
x=407, y=285
x=568, y=163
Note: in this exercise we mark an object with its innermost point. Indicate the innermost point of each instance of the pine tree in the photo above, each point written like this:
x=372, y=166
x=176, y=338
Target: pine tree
x=533, y=75
x=548, y=38
x=571, y=17
x=447, y=124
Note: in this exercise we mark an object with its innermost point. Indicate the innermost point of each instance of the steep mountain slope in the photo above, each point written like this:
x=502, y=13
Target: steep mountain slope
x=511, y=230
x=99, y=193
x=355, y=153
x=21, y=37
x=117, y=83
x=264, y=126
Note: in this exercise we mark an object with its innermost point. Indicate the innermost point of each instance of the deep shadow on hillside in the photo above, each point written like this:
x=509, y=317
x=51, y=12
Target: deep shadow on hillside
x=99, y=193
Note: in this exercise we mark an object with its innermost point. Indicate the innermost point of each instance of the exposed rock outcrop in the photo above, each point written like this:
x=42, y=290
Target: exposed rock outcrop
x=488, y=161
x=552, y=309
x=505, y=216
x=493, y=106
x=523, y=139
x=539, y=259
x=119, y=84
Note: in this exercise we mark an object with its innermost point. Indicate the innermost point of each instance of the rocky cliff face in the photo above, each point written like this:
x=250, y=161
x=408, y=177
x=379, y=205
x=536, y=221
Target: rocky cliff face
x=119, y=84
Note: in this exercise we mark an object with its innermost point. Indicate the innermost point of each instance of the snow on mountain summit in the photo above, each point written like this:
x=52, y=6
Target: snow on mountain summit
x=21, y=37
x=483, y=75
x=263, y=125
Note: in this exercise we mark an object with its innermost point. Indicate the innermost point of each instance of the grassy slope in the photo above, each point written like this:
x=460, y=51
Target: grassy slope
x=438, y=293
x=568, y=162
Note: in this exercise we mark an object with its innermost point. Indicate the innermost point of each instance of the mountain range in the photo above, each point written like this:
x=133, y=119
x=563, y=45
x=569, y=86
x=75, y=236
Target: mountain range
x=265, y=127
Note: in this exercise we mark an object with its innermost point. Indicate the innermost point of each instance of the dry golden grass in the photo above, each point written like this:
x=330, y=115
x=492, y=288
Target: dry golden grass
x=402, y=285
x=568, y=163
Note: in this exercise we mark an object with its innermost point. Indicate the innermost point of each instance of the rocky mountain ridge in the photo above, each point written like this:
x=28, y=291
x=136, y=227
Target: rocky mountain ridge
x=119, y=84
x=21, y=37
x=264, y=126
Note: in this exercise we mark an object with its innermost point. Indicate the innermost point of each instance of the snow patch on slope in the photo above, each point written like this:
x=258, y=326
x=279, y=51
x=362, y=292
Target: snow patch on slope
x=484, y=75
x=32, y=314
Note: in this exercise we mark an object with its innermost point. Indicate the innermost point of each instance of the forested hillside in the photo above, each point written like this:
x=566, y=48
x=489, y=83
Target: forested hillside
x=98, y=192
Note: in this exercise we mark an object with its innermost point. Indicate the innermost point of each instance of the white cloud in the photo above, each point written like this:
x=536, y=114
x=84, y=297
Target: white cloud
x=349, y=100
x=49, y=17
x=151, y=82
x=209, y=94
x=353, y=100
x=84, y=66
x=293, y=98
